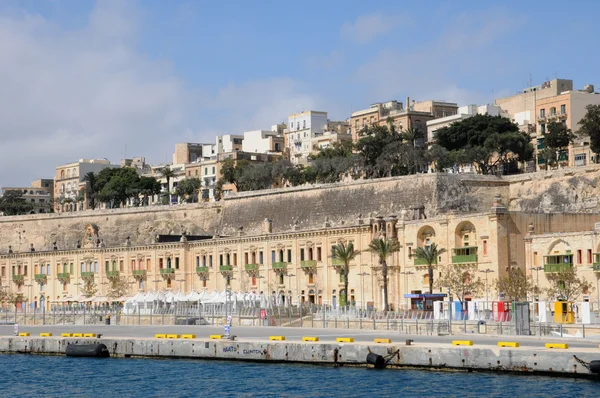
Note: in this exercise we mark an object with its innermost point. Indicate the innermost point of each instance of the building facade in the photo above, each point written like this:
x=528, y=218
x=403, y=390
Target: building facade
x=40, y=195
x=301, y=129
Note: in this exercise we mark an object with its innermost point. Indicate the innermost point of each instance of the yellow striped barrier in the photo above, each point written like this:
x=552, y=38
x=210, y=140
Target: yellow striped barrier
x=383, y=341
x=45, y=334
x=89, y=335
x=66, y=335
x=24, y=334
x=160, y=336
x=310, y=338
x=77, y=334
x=277, y=338
x=188, y=336
x=216, y=336
x=513, y=344
x=462, y=342
x=172, y=336
x=344, y=340
x=562, y=346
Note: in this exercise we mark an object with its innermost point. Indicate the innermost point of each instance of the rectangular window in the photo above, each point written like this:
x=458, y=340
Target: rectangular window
x=542, y=112
x=3, y=271
x=485, y=247
x=589, y=256
x=260, y=257
x=535, y=258
x=204, y=260
x=289, y=255
x=220, y=259
x=176, y=262
x=48, y=269
x=148, y=264
x=318, y=253
x=563, y=109
x=213, y=170
x=210, y=261
x=25, y=268
x=132, y=264
x=235, y=259
x=161, y=263
x=82, y=267
x=273, y=256
x=197, y=261
x=106, y=266
x=246, y=258
x=543, y=128
x=206, y=171
x=409, y=252
x=121, y=265
x=301, y=254
x=71, y=268
x=579, y=257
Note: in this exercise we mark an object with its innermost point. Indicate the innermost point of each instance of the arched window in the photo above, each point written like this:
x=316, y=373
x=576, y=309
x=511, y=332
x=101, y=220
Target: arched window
x=69, y=173
x=62, y=188
x=68, y=187
x=74, y=173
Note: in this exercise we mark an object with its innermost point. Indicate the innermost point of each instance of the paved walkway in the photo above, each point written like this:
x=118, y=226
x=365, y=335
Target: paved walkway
x=295, y=334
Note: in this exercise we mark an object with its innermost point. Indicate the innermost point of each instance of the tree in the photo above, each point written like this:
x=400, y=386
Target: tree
x=89, y=288
x=345, y=253
x=121, y=185
x=566, y=285
x=486, y=141
x=557, y=136
x=167, y=173
x=148, y=186
x=590, y=127
x=91, y=180
x=118, y=287
x=12, y=203
x=430, y=255
x=516, y=286
x=253, y=177
x=383, y=249
x=462, y=280
x=188, y=189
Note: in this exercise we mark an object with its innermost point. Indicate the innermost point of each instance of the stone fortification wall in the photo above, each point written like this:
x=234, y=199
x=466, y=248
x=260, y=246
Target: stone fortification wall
x=289, y=209
x=573, y=190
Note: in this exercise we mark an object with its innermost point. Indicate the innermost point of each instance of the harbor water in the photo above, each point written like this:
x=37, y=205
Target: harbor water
x=57, y=376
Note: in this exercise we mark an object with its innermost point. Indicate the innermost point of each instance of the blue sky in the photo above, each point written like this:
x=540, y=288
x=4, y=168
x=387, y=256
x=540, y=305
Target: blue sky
x=82, y=78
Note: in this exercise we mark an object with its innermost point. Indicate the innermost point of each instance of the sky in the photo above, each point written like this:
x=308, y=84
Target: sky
x=117, y=78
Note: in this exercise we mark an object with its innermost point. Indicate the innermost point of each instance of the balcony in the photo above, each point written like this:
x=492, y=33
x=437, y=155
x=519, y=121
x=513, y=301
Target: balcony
x=18, y=278
x=422, y=261
x=139, y=272
x=308, y=263
x=201, y=270
x=558, y=262
x=87, y=274
x=112, y=274
x=251, y=267
x=40, y=277
x=464, y=255
x=336, y=262
x=541, y=118
x=167, y=271
x=225, y=268
x=279, y=265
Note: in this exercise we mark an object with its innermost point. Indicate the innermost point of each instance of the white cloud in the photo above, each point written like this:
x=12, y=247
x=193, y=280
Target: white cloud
x=367, y=27
x=88, y=93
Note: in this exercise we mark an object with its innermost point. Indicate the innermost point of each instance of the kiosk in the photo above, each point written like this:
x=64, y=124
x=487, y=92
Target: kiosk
x=563, y=312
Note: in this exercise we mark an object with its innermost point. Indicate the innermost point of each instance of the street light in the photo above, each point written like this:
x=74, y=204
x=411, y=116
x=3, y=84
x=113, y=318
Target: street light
x=537, y=276
x=291, y=291
x=362, y=289
x=406, y=274
x=486, y=272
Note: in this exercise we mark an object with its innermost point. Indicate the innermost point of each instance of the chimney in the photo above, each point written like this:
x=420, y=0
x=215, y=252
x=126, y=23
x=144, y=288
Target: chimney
x=408, y=103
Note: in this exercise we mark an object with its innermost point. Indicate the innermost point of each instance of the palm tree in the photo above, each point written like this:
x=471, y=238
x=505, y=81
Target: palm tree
x=430, y=255
x=90, y=191
x=167, y=173
x=383, y=249
x=345, y=253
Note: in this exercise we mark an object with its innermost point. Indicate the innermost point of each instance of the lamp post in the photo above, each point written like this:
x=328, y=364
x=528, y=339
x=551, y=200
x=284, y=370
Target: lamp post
x=537, y=276
x=597, y=272
x=291, y=291
x=362, y=289
x=406, y=274
x=227, y=320
x=486, y=272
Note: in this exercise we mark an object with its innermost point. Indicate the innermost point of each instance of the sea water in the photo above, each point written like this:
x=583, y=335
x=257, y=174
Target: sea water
x=58, y=376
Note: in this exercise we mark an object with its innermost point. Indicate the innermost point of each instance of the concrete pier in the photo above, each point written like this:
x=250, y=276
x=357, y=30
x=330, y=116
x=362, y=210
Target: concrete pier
x=441, y=356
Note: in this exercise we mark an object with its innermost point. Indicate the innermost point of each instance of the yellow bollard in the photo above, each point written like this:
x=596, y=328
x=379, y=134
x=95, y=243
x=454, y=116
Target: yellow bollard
x=277, y=338
x=344, y=340
x=310, y=338
x=188, y=336
x=23, y=334
x=557, y=345
x=77, y=334
x=216, y=336
x=89, y=335
x=45, y=334
x=172, y=336
x=384, y=341
x=462, y=342
x=66, y=335
x=160, y=336
x=513, y=344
